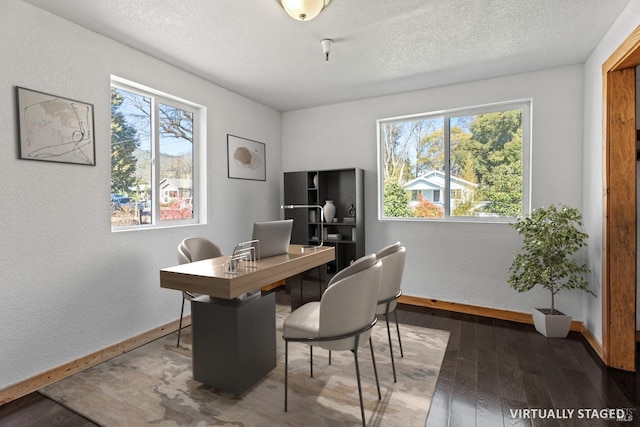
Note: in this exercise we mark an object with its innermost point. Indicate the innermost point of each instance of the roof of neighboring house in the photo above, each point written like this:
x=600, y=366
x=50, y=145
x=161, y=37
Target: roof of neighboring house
x=175, y=183
x=434, y=180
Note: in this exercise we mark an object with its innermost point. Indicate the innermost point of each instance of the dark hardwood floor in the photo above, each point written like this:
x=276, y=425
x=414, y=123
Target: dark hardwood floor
x=493, y=372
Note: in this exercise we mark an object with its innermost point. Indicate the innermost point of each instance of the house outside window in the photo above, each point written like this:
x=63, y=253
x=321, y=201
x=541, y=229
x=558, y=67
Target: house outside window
x=468, y=164
x=154, y=158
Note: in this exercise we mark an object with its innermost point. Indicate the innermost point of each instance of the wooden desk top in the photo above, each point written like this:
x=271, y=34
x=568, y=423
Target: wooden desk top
x=208, y=277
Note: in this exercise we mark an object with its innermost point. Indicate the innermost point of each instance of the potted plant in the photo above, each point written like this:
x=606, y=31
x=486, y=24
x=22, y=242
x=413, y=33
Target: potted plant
x=551, y=237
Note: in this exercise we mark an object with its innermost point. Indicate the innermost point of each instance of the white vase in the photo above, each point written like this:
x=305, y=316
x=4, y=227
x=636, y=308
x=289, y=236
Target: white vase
x=329, y=210
x=315, y=181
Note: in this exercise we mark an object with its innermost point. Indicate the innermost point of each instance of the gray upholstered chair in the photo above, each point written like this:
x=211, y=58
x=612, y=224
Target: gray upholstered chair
x=194, y=249
x=341, y=320
x=392, y=258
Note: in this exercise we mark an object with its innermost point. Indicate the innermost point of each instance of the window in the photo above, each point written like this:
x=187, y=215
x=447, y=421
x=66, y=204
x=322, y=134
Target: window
x=154, y=158
x=463, y=164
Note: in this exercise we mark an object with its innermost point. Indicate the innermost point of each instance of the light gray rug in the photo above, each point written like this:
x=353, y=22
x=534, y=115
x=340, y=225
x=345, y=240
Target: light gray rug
x=153, y=385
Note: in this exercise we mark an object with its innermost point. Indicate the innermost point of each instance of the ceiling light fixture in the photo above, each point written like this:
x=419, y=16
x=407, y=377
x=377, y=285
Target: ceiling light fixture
x=304, y=10
x=326, y=47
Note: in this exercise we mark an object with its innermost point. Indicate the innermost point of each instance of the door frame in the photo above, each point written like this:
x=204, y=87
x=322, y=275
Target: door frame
x=619, y=234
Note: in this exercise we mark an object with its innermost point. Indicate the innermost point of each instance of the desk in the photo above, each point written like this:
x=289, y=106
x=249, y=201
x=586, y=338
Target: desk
x=207, y=277
x=234, y=341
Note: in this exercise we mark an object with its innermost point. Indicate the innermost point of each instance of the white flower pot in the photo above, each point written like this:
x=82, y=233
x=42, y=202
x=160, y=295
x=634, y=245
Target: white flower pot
x=551, y=325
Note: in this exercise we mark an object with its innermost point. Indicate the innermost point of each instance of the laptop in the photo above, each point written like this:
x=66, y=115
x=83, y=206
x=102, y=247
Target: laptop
x=274, y=237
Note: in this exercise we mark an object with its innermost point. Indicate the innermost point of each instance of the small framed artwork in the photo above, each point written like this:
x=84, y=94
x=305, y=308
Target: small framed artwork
x=246, y=158
x=55, y=129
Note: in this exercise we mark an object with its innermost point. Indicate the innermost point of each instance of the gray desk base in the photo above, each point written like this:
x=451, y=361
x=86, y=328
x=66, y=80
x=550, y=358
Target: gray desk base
x=234, y=343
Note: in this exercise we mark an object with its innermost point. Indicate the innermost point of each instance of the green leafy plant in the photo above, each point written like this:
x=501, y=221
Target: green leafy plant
x=551, y=237
x=396, y=200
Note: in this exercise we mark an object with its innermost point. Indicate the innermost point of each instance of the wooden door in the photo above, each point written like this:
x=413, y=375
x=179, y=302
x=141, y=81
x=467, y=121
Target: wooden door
x=619, y=205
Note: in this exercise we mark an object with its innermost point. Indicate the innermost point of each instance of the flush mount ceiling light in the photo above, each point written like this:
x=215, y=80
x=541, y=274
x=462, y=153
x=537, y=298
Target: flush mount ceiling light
x=304, y=10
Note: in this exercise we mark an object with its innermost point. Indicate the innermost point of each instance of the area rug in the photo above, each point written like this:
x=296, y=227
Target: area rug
x=153, y=385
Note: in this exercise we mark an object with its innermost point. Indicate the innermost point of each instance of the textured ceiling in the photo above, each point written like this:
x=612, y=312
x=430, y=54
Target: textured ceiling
x=253, y=48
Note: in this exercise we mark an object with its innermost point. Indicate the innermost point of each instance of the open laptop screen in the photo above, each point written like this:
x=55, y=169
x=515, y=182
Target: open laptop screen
x=274, y=237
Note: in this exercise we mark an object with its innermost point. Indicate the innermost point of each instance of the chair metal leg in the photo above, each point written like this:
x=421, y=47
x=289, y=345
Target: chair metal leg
x=180, y=326
x=355, y=356
x=286, y=372
x=329, y=357
x=398, y=329
x=375, y=369
x=393, y=363
x=311, y=360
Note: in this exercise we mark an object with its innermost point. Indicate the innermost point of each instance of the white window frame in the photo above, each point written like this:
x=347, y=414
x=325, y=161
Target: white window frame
x=199, y=189
x=526, y=105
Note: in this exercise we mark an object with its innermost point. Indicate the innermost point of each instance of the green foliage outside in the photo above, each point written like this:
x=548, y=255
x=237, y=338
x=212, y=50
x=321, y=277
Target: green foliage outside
x=485, y=150
x=123, y=145
x=396, y=201
x=551, y=238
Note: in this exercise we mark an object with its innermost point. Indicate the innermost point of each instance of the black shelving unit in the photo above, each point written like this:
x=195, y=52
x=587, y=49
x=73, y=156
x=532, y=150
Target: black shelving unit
x=345, y=187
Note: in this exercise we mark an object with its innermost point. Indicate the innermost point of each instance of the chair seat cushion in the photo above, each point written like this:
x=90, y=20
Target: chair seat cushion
x=304, y=322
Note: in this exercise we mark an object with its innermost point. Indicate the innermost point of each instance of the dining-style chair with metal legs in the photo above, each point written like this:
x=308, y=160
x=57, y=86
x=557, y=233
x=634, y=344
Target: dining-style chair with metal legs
x=194, y=249
x=393, y=259
x=342, y=319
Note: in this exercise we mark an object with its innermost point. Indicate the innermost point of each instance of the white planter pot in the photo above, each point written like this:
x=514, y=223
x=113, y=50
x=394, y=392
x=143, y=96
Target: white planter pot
x=551, y=325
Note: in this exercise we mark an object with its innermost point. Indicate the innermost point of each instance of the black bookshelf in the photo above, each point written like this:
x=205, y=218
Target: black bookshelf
x=345, y=187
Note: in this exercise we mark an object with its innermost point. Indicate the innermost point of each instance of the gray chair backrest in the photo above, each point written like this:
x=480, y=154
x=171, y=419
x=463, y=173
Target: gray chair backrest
x=358, y=265
x=183, y=254
x=388, y=250
x=350, y=304
x=392, y=270
x=194, y=249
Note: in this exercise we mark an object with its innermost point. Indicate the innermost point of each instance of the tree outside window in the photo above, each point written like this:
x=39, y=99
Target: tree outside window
x=462, y=164
x=153, y=174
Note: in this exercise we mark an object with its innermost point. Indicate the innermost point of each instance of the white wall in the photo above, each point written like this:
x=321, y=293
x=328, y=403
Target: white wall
x=628, y=20
x=69, y=286
x=459, y=262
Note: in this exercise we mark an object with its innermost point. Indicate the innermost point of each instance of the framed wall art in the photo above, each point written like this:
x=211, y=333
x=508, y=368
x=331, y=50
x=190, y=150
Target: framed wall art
x=246, y=158
x=55, y=129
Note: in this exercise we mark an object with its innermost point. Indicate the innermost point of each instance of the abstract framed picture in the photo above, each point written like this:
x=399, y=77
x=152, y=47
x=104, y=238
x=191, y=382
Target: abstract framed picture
x=55, y=129
x=246, y=158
